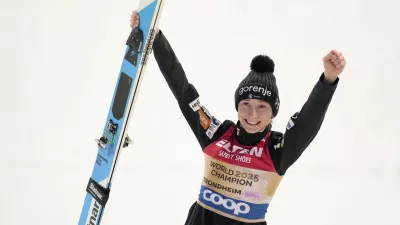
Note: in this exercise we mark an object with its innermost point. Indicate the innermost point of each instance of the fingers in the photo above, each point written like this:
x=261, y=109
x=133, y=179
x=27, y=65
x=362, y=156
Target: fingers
x=335, y=57
x=329, y=57
x=338, y=62
x=342, y=63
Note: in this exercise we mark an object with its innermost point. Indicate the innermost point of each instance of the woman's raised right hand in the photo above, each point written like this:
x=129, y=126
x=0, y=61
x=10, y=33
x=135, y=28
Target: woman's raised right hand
x=134, y=19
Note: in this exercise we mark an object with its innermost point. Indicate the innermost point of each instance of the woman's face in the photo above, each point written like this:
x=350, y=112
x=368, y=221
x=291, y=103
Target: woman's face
x=254, y=115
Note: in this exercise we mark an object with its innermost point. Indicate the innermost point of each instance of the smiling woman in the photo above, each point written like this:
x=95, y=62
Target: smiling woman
x=245, y=161
x=257, y=97
x=254, y=115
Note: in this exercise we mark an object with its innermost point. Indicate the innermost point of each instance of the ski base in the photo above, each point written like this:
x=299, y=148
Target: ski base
x=114, y=136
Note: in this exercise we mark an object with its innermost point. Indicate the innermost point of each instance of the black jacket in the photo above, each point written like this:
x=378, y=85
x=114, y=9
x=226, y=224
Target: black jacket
x=285, y=148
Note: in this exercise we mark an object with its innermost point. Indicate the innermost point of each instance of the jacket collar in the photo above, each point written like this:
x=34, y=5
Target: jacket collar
x=245, y=138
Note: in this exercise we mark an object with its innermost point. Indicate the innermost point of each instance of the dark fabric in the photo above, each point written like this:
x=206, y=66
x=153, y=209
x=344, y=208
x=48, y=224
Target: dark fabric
x=199, y=216
x=260, y=86
x=285, y=148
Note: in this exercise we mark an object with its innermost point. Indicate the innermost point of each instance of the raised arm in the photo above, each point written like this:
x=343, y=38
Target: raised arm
x=304, y=125
x=205, y=126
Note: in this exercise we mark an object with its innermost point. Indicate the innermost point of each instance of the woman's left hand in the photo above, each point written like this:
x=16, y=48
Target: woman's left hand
x=334, y=63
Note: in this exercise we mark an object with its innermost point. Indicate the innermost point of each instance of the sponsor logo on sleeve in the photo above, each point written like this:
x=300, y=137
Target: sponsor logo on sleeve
x=204, y=119
x=206, y=111
x=195, y=105
x=215, y=124
x=291, y=124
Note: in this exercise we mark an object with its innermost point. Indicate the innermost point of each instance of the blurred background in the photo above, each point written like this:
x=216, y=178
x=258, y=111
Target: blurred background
x=59, y=64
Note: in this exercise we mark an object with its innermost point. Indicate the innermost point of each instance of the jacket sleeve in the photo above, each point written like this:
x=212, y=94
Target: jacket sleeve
x=302, y=127
x=203, y=124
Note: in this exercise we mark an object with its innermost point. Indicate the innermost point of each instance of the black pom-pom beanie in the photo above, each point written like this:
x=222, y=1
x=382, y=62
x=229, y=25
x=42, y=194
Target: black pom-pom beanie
x=260, y=84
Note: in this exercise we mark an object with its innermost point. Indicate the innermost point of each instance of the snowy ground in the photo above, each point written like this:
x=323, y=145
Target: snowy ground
x=59, y=61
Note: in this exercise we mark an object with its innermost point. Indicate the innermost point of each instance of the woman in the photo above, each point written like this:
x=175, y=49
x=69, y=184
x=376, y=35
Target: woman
x=245, y=161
